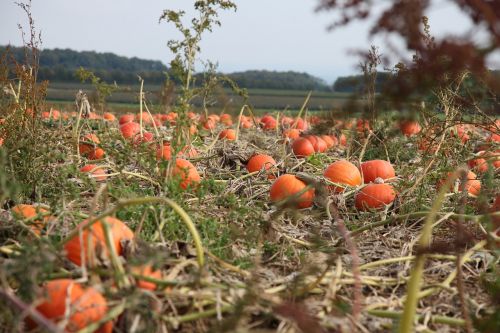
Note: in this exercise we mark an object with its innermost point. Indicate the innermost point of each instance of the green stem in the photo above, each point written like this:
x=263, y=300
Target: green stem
x=433, y=319
x=410, y=307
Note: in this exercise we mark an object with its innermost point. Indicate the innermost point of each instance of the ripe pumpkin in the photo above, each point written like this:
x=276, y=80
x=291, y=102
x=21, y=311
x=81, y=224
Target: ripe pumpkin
x=187, y=173
x=262, y=161
x=375, y=196
x=126, y=118
x=472, y=185
x=91, y=241
x=88, y=147
x=95, y=172
x=318, y=143
x=287, y=186
x=302, y=147
x=291, y=133
x=147, y=271
x=164, y=152
x=146, y=137
x=209, y=124
x=300, y=124
x=287, y=121
x=228, y=134
x=86, y=306
x=342, y=140
x=28, y=212
x=480, y=164
x=409, y=128
x=268, y=122
x=374, y=169
x=343, y=173
x=330, y=142
x=108, y=116
x=130, y=130
x=226, y=119
x=363, y=125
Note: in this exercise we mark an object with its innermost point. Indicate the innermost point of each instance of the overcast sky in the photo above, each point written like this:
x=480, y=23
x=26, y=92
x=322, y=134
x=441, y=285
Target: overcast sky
x=262, y=34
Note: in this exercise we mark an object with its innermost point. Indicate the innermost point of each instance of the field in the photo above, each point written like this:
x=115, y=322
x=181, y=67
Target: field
x=220, y=251
x=264, y=99
x=195, y=208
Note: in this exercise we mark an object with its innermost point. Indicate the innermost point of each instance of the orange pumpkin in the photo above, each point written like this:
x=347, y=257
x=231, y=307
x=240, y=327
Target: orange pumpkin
x=130, y=130
x=343, y=140
x=343, y=173
x=67, y=299
x=409, y=128
x=302, y=147
x=480, y=164
x=28, y=212
x=377, y=169
x=164, y=152
x=228, y=134
x=262, y=161
x=91, y=241
x=126, y=118
x=318, y=143
x=147, y=271
x=287, y=186
x=472, y=184
x=88, y=147
x=268, y=122
x=146, y=137
x=375, y=196
x=108, y=116
x=300, y=124
x=98, y=173
x=226, y=119
x=209, y=124
x=330, y=142
x=291, y=133
x=187, y=173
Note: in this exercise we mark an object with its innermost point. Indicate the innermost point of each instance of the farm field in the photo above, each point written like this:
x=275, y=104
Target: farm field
x=196, y=205
x=259, y=98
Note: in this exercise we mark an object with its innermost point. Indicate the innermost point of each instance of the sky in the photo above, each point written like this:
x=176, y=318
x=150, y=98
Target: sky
x=262, y=34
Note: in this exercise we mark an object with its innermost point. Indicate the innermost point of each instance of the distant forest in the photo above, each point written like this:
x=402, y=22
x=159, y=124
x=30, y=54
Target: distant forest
x=59, y=65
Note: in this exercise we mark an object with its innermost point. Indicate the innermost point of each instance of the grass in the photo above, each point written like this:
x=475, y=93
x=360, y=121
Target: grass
x=257, y=256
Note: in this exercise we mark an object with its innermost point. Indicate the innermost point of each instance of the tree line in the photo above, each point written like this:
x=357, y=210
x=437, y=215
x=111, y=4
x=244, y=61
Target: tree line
x=60, y=65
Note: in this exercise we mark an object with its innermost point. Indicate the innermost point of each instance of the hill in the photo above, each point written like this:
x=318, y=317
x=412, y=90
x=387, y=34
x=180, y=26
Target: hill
x=59, y=65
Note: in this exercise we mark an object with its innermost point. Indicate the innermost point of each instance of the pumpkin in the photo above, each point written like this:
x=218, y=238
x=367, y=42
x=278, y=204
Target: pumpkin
x=330, y=142
x=147, y=271
x=146, y=118
x=300, y=124
x=164, y=152
x=108, y=116
x=494, y=137
x=88, y=147
x=268, y=122
x=375, y=196
x=291, y=133
x=130, y=129
x=319, y=144
x=342, y=140
x=209, y=124
x=472, y=185
x=67, y=299
x=343, y=173
x=146, y=137
x=409, y=128
x=287, y=121
x=95, y=172
x=29, y=212
x=126, y=118
x=246, y=124
x=363, y=125
x=287, y=187
x=187, y=173
x=461, y=132
x=51, y=115
x=228, y=134
x=377, y=169
x=91, y=241
x=226, y=119
x=302, y=147
x=262, y=161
